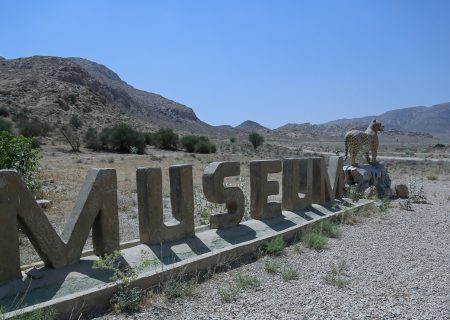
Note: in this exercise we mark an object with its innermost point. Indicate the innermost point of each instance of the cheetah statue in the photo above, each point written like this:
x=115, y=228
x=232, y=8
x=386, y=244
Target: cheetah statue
x=356, y=140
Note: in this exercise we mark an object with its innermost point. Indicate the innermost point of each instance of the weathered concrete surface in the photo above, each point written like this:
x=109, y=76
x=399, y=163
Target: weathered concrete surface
x=335, y=180
x=152, y=229
x=81, y=288
x=95, y=208
x=365, y=176
x=297, y=183
x=214, y=191
x=307, y=181
x=261, y=189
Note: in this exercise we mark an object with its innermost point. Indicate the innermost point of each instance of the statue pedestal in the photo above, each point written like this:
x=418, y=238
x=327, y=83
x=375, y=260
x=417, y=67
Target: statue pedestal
x=368, y=175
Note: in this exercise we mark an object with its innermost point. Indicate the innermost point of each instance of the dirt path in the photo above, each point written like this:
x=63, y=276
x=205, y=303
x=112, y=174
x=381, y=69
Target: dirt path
x=383, y=157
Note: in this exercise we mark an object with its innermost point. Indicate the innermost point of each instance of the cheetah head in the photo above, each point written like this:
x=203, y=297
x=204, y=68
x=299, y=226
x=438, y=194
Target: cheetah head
x=376, y=126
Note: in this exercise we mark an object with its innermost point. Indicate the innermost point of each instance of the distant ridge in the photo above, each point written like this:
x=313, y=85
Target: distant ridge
x=434, y=120
x=250, y=125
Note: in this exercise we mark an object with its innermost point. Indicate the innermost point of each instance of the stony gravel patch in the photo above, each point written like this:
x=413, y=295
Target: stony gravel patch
x=398, y=267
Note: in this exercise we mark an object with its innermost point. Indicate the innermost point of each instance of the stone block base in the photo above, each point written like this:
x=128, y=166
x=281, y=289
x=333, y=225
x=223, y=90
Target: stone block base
x=366, y=176
x=81, y=289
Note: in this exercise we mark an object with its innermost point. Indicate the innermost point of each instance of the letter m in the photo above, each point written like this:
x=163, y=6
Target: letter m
x=96, y=208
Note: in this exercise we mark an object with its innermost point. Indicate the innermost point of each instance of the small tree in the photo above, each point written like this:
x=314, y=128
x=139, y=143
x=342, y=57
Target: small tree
x=72, y=137
x=189, y=142
x=92, y=140
x=71, y=133
x=121, y=138
x=198, y=144
x=166, y=139
x=205, y=146
x=16, y=152
x=256, y=139
x=76, y=122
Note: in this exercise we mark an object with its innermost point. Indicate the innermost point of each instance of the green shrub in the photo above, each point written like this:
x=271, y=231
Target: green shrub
x=205, y=146
x=289, y=274
x=354, y=194
x=104, y=138
x=189, y=142
x=229, y=293
x=122, y=138
x=92, y=140
x=5, y=125
x=149, y=138
x=17, y=153
x=244, y=281
x=337, y=275
x=255, y=139
x=177, y=288
x=127, y=300
x=71, y=98
x=384, y=205
x=274, y=246
x=314, y=240
x=198, y=144
x=272, y=267
x=232, y=139
x=33, y=127
x=127, y=297
x=329, y=229
x=166, y=139
x=35, y=144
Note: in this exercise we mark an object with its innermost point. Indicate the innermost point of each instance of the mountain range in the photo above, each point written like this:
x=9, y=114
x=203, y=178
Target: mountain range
x=55, y=88
x=434, y=120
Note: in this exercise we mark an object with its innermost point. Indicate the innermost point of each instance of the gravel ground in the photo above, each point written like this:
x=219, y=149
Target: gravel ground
x=398, y=268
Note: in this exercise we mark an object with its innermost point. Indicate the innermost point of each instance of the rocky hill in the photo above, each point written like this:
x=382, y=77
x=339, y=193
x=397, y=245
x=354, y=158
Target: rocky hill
x=420, y=122
x=250, y=126
x=54, y=88
x=434, y=120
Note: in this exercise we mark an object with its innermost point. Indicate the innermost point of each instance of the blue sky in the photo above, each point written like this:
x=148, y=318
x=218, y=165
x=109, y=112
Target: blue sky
x=274, y=62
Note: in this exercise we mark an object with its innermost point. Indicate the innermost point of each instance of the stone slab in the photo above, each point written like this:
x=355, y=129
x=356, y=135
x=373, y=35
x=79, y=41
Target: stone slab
x=79, y=288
